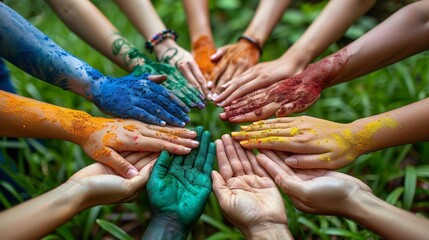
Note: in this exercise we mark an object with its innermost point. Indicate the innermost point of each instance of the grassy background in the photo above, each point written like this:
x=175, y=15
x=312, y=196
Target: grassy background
x=398, y=175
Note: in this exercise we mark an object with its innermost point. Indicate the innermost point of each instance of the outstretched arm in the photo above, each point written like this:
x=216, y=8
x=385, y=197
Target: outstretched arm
x=101, y=138
x=324, y=31
x=403, y=35
x=317, y=143
x=314, y=191
x=93, y=185
x=237, y=58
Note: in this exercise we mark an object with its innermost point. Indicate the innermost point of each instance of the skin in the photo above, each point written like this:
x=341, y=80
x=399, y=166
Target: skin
x=29, y=49
x=101, y=138
x=324, y=31
x=143, y=15
x=93, y=185
x=247, y=195
x=361, y=57
x=318, y=143
x=234, y=59
x=87, y=21
x=178, y=190
x=314, y=191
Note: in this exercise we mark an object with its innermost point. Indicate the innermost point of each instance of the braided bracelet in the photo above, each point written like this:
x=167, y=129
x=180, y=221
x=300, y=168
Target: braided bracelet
x=253, y=42
x=159, y=37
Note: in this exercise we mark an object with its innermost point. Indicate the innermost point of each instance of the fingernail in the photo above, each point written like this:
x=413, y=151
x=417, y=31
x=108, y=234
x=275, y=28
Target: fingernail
x=163, y=123
x=245, y=142
x=209, y=95
x=187, y=149
x=202, y=97
x=244, y=128
x=187, y=119
x=227, y=108
x=182, y=124
x=222, y=115
x=235, y=134
x=291, y=161
x=201, y=105
x=195, y=143
x=210, y=84
x=131, y=173
x=214, y=96
x=234, y=101
x=187, y=109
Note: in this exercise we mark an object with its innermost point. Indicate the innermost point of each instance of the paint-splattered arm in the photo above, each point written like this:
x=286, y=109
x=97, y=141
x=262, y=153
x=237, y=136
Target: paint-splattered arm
x=324, y=31
x=249, y=198
x=315, y=191
x=93, y=185
x=236, y=58
x=178, y=189
x=101, y=138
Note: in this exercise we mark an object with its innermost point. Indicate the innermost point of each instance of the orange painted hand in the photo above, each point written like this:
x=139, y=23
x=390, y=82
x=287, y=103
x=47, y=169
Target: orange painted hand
x=102, y=139
x=314, y=191
x=232, y=60
x=247, y=195
x=202, y=49
x=310, y=142
x=259, y=76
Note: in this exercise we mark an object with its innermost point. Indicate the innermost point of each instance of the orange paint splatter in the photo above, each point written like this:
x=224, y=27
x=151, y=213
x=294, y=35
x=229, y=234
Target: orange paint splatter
x=202, y=49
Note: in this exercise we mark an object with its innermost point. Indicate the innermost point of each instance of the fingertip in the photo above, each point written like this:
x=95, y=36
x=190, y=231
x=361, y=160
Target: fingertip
x=222, y=116
x=291, y=161
x=132, y=172
x=210, y=84
x=201, y=105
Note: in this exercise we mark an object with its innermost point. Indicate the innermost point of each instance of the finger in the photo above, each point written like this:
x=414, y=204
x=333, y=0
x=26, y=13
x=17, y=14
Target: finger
x=249, y=115
x=177, y=161
x=190, y=158
x=198, y=74
x=172, y=109
x=145, y=173
x=270, y=132
x=196, y=95
x=202, y=151
x=291, y=186
x=115, y=161
x=242, y=156
x=208, y=165
x=279, y=162
x=266, y=125
x=161, y=166
x=146, y=160
x=178, y=101
x=256, y=168
x=272, y=155
x=157, y=78
x=220, y=52
x=232, y=155
x=134, y=157
x=179, y=132
x=142, y=115
x=294, y=107
x=225, y=77
x=275, y=143
x=233, y=93
x=220, y=189
x=232, y=86
x=272, y=168
x=312, y=161
x=142, y=143
x=222, y=160
x=162, y=136
x=217, y=72
x=282, y=155
x=160, y=112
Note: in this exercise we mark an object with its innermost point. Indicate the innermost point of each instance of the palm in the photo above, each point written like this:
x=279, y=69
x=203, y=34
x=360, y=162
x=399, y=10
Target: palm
x=255, y=198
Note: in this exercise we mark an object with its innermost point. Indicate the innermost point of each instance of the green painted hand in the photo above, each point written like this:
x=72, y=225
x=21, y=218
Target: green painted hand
x=179, y=187
x=175, y=82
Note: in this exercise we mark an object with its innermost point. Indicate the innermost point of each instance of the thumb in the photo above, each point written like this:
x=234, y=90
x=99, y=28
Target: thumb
x=220, y=189
x=157, y=78
x=161, y=165
x=218, y=54
x=115, y=161
x=290, y=186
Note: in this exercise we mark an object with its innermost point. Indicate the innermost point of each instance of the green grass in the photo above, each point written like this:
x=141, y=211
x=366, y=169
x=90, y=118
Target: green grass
x=398, y=175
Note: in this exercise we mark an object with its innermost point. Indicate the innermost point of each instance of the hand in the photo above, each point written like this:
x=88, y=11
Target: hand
x=140, y=99
x=315, y=191
x=102, y=139
x=202, y=49
x=233, y=60
x=292, y=95
x=248, y=197
x=259, y=76
x=179, y=188
x=169, y=52
x=101, y=185
x=175, y=82
x=312, y=142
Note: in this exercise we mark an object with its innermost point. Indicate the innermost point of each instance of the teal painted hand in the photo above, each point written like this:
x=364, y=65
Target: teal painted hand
x=179, y=187
x=175, y=82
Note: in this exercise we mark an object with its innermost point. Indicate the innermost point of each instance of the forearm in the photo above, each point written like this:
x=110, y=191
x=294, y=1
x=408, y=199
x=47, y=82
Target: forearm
x=42, y=215
x=402, y=35
x=89, y=23
x=24, y=117
x=326, y=29
x=197, y=16
x=404, y=125
x=269, y=231
x=28, y=48
x=165, y=228
x=267, y=14
x=386, y=220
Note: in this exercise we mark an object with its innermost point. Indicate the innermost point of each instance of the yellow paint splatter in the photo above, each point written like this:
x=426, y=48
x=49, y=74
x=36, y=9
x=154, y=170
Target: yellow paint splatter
x=294, y=131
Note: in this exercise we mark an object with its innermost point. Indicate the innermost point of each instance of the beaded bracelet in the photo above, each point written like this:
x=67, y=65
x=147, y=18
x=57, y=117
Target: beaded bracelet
x=253, y=42
x=159, y=37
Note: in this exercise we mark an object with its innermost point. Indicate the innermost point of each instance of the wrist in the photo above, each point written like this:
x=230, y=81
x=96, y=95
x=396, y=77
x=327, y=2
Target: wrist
x=166, y=226
x=359, y=206
x=298, y=57
x=267, y=230
x=160, y=48
x=72, y=197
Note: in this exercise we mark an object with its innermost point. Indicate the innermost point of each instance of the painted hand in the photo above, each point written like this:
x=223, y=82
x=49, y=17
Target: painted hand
x=102, y=185
x=247, y=195
x=138, y=98
x=233, y=60
x=259, y=76
x=175, y=82
x=202, y=49
x=103, y=139
x=170, y=53
x=292, y=95
x=314, y=191
x=178, y=188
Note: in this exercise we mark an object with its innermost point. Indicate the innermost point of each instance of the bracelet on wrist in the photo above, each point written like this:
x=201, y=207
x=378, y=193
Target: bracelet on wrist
x=253, y=41
x=159, y=37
